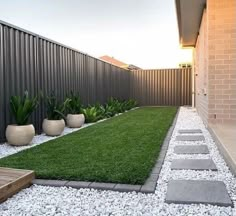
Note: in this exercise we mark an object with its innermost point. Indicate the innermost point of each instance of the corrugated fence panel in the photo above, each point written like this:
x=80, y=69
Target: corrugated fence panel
x=34, y=63
x=164, y=87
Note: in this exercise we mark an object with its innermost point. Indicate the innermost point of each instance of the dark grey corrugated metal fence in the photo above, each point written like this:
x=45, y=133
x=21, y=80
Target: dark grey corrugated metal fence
x=32, y=62
x=162, y=87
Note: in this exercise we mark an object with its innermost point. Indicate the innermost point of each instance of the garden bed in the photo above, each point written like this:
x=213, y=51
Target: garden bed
x=120, y=150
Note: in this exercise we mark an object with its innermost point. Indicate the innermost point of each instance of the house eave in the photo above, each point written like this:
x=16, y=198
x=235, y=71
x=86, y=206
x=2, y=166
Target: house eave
x=189, y=15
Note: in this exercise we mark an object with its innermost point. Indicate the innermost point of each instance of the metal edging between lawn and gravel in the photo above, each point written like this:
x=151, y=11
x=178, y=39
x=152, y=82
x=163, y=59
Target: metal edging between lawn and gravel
x=148, y=187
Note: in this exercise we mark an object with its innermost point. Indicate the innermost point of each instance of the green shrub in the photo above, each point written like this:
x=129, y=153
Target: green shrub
x=22, y=108
x=90, y=114
x=129, y=104
x=55, y=109
x=74, y=105
x=110, y=109
x=114, y=106
x=101, y=111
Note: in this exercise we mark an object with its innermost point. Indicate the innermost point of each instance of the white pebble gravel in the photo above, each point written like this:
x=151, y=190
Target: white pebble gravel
x=41, y=200
x=6, y=149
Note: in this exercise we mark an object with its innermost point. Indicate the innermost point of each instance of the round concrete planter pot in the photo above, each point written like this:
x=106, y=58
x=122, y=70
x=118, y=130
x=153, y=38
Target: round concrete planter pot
x=53, y=127
x=75, y=120
x=20, y=134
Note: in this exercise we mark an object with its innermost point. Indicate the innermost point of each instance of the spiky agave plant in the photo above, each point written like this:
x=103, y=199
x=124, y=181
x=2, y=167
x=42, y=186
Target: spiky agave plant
x=74, y=105
x=23, y=107
x=55, y=109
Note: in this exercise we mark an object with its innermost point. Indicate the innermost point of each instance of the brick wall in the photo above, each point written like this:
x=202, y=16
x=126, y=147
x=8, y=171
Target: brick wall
x=215, y=59
x=222, y=60
x=201, y=73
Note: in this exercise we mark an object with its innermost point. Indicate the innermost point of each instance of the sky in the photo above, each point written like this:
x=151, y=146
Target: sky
x=139, y=32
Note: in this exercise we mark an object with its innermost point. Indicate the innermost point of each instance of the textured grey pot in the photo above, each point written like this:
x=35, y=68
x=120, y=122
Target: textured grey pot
x=75, y=120
x=53, y=127
x=20, y=134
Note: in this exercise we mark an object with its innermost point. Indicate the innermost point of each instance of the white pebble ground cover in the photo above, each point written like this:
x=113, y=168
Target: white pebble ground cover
x=41, y=200
x=6, y=149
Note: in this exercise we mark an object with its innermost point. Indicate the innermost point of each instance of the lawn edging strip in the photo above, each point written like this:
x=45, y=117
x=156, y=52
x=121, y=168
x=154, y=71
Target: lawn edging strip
x=148, y=187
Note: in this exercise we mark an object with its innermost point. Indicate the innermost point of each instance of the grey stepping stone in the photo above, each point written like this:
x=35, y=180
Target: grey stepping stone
x=190, y=131
x=197, y=191
x=193, y=164
x=190, y=138
x=191, y=149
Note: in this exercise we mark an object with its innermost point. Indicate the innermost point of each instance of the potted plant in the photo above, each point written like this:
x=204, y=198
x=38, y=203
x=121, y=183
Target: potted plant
x=74, y=118
x=22, y=132
x=54, y=124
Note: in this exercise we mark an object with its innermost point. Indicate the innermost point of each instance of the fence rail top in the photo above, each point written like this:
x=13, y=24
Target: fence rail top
x=163, y=69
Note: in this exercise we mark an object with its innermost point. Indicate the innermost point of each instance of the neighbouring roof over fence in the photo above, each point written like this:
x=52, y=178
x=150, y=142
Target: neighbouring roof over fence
x=118, y=63
x=189, y=15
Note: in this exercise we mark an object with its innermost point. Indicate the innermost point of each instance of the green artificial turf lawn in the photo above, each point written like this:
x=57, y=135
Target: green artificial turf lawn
x=122, y=149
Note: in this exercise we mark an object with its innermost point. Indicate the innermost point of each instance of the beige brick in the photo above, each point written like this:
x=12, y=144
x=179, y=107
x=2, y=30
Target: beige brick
x=215, y=121
x=211, y=76
x=222, y=57
x=233, y=87
x=216, y=92
x=220, y=97
x=229, y=101
x=216, y=111
x=212, y=57
x=211, y=97
x=228, y=81
x=233, y=116
x=230, y=62
x=223, y=86
x=228, y=92
x=229, y=121
x=211, y=106
x=233, y=107
x=221, y=76
x=220, y=66
x=222, y=116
